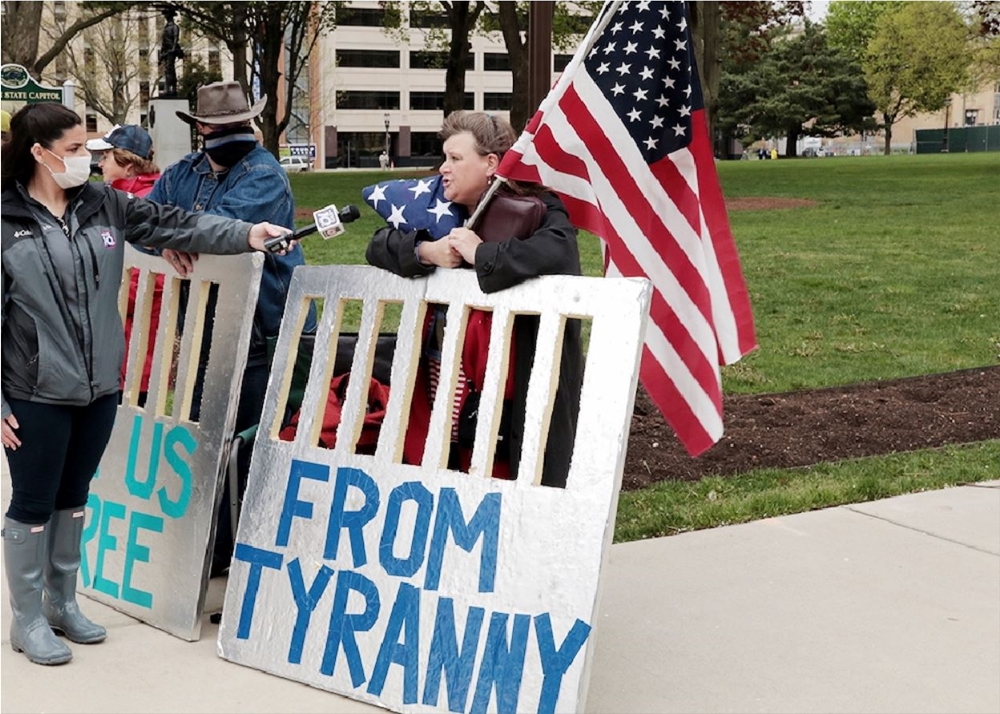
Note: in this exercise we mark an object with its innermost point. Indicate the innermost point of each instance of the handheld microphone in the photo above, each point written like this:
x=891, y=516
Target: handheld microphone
x=328, y=222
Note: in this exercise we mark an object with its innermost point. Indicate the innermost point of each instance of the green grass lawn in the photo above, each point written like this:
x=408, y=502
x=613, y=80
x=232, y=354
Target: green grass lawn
x=673, y=507
x=891, y=272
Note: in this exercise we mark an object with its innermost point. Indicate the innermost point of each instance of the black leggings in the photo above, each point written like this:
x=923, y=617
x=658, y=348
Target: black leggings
x=61, y=448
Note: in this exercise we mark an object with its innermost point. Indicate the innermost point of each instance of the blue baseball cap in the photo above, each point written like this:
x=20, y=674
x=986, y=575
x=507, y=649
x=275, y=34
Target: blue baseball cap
x=129, y=137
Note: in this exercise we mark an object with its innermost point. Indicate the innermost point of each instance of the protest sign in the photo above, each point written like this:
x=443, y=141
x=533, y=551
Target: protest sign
x=151, y=510
x=417, y=587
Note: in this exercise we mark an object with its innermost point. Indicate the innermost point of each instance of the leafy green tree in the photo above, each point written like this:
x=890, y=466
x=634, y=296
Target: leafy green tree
x=917, y=57
x=462, y=18
x=459, y=19
x=850, y=24
x=511, y=20
x=801, y=87
x=986, y=53
x=727, y=34
x=570, y=23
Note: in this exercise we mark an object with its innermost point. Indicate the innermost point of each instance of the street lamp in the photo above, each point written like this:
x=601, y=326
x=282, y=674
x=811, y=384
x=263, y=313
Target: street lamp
x=386, y=118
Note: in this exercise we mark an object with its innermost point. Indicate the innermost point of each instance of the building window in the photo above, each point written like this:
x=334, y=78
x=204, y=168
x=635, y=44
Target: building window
x=971, y=117
x=425, y=143
x=359, y=149
x=89, y=66
x=367, y=100
x=360, y=17
x=426, y=59
x=559, y=62
x=490, y=22
x=496, y=62
x=421, y=101
x=367, y=58
x=497, y=101
x=427, y=19
x=61, y=68
x=59, y=11
x=143, y=95
x=214, y=61
x=91, y=119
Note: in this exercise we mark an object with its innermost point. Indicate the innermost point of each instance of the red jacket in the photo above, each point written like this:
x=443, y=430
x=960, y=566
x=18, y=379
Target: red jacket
x=140, y=186
x=475, y=351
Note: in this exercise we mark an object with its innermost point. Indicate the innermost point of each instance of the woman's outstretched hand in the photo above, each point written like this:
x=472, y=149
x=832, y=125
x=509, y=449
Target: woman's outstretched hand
x=260, y=232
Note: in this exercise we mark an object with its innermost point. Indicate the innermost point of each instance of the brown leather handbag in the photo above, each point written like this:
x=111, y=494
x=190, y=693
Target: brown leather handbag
x=507, y=216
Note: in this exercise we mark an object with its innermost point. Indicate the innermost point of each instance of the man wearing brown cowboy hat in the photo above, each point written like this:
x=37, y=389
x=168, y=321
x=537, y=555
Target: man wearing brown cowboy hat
x=235, y=176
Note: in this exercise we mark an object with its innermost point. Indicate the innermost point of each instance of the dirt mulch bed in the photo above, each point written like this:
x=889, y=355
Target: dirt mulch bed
x=813, y=426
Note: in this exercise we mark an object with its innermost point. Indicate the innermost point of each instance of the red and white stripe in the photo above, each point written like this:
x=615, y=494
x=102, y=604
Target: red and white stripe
x=664, y=221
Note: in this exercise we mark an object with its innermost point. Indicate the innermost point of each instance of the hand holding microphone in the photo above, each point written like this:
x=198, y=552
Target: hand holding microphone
x=329, y=222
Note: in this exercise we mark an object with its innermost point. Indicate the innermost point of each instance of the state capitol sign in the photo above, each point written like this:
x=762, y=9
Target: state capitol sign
x=18, y=86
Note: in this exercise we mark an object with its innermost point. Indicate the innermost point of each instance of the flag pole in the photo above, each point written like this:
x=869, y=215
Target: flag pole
x=595, y=30
x=481, y=206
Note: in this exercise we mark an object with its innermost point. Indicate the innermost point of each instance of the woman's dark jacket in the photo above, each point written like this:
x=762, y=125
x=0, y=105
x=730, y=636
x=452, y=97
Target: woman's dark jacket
x=52, y=353
x=551, y=250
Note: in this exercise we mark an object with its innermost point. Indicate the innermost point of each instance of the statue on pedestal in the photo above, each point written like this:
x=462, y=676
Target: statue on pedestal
x=170, y=52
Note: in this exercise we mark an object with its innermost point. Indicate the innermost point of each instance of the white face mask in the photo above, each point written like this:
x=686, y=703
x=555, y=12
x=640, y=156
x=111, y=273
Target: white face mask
x=77, y=170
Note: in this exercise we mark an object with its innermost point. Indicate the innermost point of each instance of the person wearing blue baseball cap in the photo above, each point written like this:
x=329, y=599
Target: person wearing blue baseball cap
x=127, y=160
x=127, y=164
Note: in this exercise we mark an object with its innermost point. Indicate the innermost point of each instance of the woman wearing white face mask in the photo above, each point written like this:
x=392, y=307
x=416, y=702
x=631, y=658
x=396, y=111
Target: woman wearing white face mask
x=63, y=240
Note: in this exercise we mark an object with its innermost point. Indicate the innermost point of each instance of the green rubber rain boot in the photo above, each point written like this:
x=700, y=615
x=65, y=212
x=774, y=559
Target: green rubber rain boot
x=59, y=604
x=23, y=557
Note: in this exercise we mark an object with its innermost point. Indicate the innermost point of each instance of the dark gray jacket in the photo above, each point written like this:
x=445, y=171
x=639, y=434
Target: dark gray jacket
x=51, y=352
x=551, y=250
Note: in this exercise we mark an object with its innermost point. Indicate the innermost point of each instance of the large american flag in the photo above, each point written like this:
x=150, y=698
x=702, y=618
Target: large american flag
x=622, y=138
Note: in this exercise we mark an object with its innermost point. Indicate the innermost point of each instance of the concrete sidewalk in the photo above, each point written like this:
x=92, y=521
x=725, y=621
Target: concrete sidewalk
x=890, y=606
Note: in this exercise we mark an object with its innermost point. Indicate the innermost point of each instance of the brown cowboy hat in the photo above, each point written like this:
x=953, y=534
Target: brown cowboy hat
x=223, y=103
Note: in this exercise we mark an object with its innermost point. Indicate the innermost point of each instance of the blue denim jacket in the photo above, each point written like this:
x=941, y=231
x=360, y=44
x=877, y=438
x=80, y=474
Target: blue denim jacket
x=255, y=189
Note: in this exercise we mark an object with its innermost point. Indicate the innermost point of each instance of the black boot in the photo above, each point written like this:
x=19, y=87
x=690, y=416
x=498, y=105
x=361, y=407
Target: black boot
x=23, y=556
x=65, y=530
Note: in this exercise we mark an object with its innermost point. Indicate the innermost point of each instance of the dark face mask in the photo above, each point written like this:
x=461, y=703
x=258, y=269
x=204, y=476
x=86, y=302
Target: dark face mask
x=228, y=146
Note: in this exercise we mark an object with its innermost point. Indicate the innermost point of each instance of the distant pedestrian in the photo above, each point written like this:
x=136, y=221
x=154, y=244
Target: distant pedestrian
x=774, y=154
x=383, y=160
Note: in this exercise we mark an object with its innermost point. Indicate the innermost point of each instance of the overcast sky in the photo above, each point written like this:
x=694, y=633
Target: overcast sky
x=817, y=10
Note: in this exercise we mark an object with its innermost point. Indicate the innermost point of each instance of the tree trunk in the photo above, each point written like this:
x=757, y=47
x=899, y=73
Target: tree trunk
x=267, y=48
x=461, y=19
x=21, y=23
x=238, y=46
x=518, y=54
x=888, y=140
x=705, y=20
x=792, y=142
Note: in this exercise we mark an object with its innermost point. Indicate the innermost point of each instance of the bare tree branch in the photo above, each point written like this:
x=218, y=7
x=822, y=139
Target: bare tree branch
x=73, y=30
